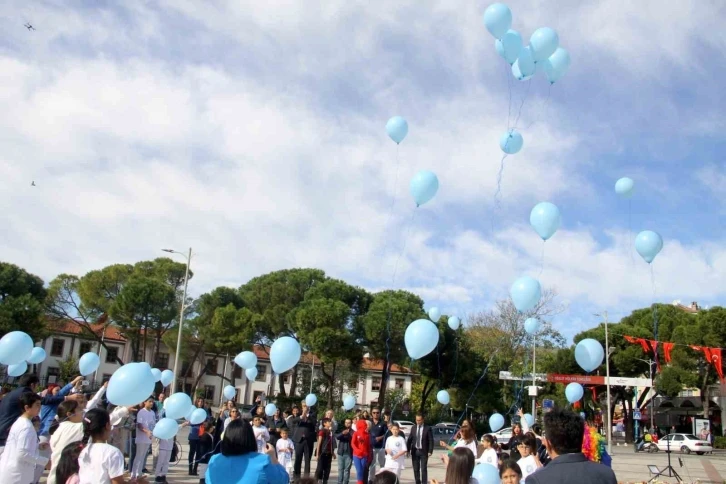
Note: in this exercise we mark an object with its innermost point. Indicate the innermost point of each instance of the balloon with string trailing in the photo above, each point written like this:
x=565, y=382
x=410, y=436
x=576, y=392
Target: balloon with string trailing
x=624, y=187
x=509, y=45
x=648, y=244
x=424, y=186
x=397, y=129
x=511, y=141
x=545, y=219
x=421, y=338
x=525, y=293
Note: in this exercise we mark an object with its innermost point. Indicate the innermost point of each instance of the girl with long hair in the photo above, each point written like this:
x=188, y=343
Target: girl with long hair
x=66, y=471
x=467, y=438
x=459, y=467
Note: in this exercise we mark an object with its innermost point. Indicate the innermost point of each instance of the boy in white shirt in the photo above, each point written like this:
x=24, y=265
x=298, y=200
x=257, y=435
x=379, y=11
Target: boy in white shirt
x=529, y=462
x=285, y=451
x=262, y=436
x=21, y=455
x=145, y=422
x=395, y=451
x=162, y=461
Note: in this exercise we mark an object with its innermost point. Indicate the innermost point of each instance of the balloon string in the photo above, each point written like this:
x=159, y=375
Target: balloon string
x=543, y=109
x=498, y=193
x=456, y=361
x=476, y=387
x=520, y=386
x=630, y=232
x=508, y=76
x=655, y=304
x=403, y=249
x=541, y=262
x=524, y=98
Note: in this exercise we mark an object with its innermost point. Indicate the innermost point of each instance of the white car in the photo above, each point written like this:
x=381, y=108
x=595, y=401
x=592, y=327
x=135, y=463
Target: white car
x=405, y=426
x=503, y=435
x=685, y=443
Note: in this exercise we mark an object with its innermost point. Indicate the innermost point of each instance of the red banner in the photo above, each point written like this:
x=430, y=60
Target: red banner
x=584, y=379
x=667, y=348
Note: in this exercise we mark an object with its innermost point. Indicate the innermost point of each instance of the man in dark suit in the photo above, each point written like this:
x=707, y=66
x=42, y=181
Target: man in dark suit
x=564, y=431
x=420, y=445
x=304, y=432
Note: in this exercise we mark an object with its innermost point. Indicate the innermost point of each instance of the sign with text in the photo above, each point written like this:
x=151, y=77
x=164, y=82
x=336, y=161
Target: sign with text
x=508, y=375
x=599, y=380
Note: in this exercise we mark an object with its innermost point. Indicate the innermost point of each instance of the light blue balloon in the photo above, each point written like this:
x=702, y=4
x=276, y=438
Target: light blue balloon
x=496, y=421
x=17, y=369
x=178, y=405
x=284, y=354
x=454, y=323
x=37, y=356
x=532, y=325
x=529, y=419
x=270, y=409
x=130, y=385
x=589, y=354
x=246, y=359
x=157, y=374
x=397, y=129
x=166, y=428
x=486, y=474
x=251, y=373
x=197, y=416
x=311, y=400
x=574, y=392
x=556, y=65
x=498, y=19
x=421, y=338
x=545, y=219
x=88, y=363
x=509, y=46
x=229, y=392
x=511, y=142
x=348, y=402
x=648, y=244
x=15, y=347
x=543, y=43
x=525, y=62
x=424, y=186
x=624, y=187
x=443, y=397
x=518, y=74
x=525, y=293
x=434, y=314
x=167, y=376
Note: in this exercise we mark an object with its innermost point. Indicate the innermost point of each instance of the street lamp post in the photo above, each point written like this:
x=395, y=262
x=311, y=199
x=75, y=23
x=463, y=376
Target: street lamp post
x=607, y=383
x=181, y=316
x=652, y=397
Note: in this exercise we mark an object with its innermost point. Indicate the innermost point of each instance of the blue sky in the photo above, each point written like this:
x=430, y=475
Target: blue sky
x=254, y=132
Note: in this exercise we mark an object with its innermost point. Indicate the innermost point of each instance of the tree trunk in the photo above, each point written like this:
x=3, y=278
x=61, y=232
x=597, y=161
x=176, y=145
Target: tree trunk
x=293, y=383
x=705, y=401
x=281, y=383
x=384, y=384
x=157, y=346
x=426, y=393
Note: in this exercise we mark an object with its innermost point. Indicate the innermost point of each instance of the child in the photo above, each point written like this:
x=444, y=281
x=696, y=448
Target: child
x=262, y=436
x=21, y=455
x=324, y=451
x=66, y=471
x=362, y=452
x=206, y=449
x=395, y=451
x=528, y=449
x=510, y=473
x=162, y=461
x=145, y=421
x=68, y=431
x=100, y=462
x=285, y=451
x=489, y=456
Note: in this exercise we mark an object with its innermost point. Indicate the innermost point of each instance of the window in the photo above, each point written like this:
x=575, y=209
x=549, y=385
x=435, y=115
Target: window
x=261, y=373
x=185, y=369
x=111, y=354
x=287, y=377
x=255, y=395
x=106, y=377
x=399, y=383
x=212, y=365
x=53, y=374
x=376, y=383
x=162, y=361
x=57, y=347
x=237, y=373
x=209, y=392
x=86, y=347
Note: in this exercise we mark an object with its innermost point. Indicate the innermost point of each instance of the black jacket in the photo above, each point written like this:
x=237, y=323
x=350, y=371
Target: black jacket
x=427, y=439
x=570, y=469
x=10, y=409
x=304, y=428
x=344, y=447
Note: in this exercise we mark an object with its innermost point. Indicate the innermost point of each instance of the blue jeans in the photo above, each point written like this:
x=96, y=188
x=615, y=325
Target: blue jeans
x=361, y=468
x=344, y=464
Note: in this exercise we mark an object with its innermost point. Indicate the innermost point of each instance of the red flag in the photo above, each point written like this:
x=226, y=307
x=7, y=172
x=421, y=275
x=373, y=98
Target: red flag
x=654, y=346
x=697, y=348
x=644, y=344
x=594, y=393
x=630, y=339
x=667, y=347
x=707, y=353
x=716, y=360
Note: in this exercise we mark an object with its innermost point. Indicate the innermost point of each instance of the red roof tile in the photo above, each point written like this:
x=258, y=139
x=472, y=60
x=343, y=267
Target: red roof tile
x=111, y=333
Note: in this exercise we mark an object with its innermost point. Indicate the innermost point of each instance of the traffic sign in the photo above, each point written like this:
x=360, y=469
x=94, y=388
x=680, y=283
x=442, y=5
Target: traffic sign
x=636, y=415
x=548, y=405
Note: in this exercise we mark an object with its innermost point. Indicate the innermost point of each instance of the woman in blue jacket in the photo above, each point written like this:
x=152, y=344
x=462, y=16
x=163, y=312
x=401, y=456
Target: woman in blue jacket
x=239, y=462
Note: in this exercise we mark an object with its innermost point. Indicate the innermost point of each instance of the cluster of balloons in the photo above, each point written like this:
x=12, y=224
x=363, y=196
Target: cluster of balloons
x=16, y=348
x=284, y=355
x=247, y=360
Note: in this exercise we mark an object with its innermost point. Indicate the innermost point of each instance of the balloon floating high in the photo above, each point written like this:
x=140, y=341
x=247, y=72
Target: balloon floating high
x=486, y=474
x=17, y=369
x=434, y=314
x=284, y=354
x=511, y=142
x=397, y=129
x=178, y=405
x=525, y=65
x=454, y=322
x=36, y=356
x=443, y=397
x=518, y=74
x=648, y=244
x=348, y=402
x=157, y=374
x=421, y=338
x=574, y=392
x=166, y=428
x=229, y=392
x=624, y=187
x=498, y=19
x=246, y=359
x=251, y=373
x=131, y=384
x=532, y=325
x=15, y=347
x=525, y=293
x=496, y=422
x=545, y=219
x=88, y=363
x=270, y=409
x=543, y=43
x=589, y=354
x=424, y=186
x=311, y=400
x=557, y=65
x=509, y=46
x=167, y=376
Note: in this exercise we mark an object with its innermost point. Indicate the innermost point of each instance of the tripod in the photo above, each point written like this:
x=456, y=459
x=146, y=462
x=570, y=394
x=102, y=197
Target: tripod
x=671, y=471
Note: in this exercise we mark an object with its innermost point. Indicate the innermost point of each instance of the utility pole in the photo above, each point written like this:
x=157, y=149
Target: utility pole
x=181, y=317
x=607, y=385
x=534, y=377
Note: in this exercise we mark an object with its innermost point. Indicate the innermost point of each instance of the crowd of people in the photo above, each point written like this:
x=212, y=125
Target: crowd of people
x=78, y=439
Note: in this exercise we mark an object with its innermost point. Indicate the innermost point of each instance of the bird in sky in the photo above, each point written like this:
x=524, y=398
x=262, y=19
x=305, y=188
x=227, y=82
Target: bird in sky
x=29, y=27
